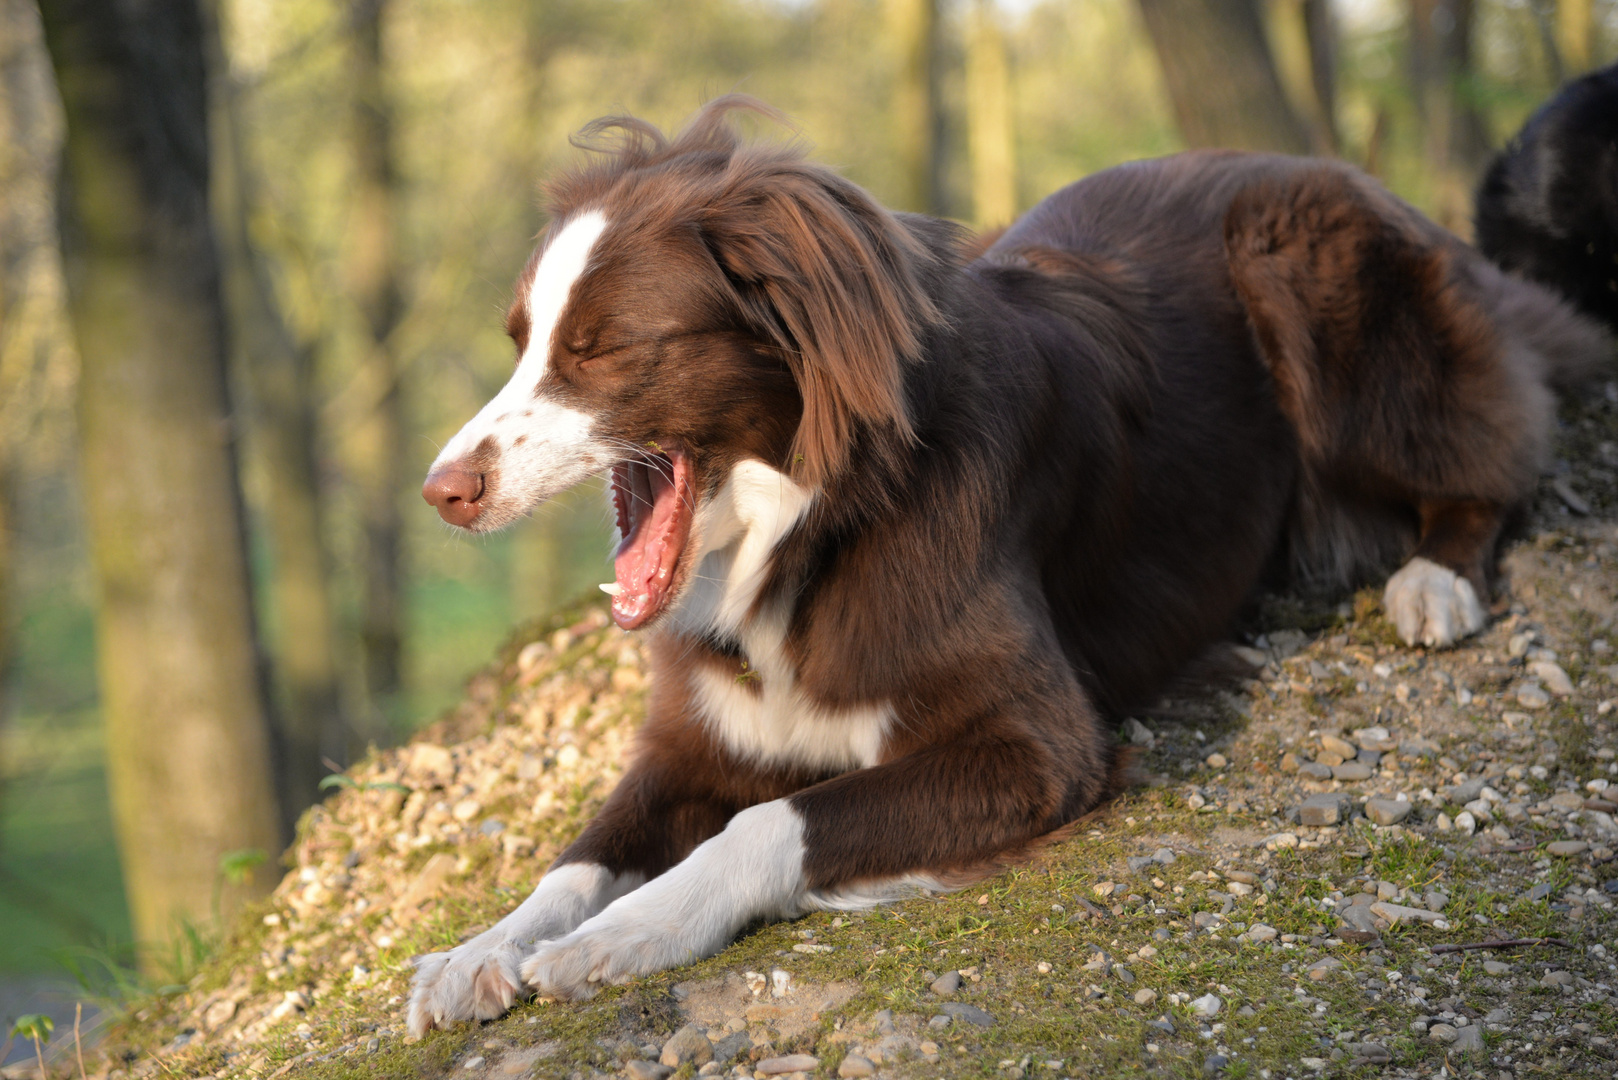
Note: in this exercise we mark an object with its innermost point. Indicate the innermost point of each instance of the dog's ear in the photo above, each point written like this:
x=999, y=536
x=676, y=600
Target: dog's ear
x=835, y=282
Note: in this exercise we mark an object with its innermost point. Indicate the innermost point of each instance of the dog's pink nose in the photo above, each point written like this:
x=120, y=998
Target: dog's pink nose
x=455, y=492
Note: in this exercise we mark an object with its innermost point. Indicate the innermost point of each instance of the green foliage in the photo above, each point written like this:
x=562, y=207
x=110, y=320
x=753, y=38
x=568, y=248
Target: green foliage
x=236, y=867
x=35, y=1026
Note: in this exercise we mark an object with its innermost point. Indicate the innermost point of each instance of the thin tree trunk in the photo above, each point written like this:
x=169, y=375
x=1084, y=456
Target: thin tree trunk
x=1454, y=142
x=1321, y=30
x=917, y=111
x=278, y=374
x=1575, y=33
x=1221, y=77
x=989, y=120
x=377, y=449
x=188, y=749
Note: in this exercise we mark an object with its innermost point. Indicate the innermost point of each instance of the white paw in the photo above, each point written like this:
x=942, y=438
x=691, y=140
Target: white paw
x=475, y=981
x=480, y=979
x=578, y=965
x=1432, y=604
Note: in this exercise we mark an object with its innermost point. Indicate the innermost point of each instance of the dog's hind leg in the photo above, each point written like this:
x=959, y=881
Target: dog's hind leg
x=1438, y=597
x=1410, y=383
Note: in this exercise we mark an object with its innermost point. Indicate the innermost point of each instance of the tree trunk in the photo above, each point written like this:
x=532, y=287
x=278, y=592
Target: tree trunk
x=278, y=374
x=1221, y=77
x=188, y=750
x=989, y=120
x=376, y=451
x=1454, y=142
x=1575, y=32
x=917, y=112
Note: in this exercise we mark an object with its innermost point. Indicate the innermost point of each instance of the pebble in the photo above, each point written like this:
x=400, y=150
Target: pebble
x=854, y=1065
x=791, y=1063
x=1327, y=808
x=1316, y=770
x=1214, y=1063
x=970, y=1013
x=646, y=1070
x=1556, y=979
x=1216, y=761
x=1351, y=771
x=1145, y=997
x=1281, y=841
x=1495, y=967
x=939, y=1022
x=687, y=1044
x=1398, y=913
x=1321, y=969
x=1469, y=1040
x=1138, y=733
x=1442, y=1033
x=1435, y=900
x=1358, y=924
x=1566, y=848
x=1261, y=933
x=1387, y=811
x=946, y=984
x=1465, y=823
x=1207, y=1005
x=1341, y=747
x=1552, y=675
x=1163, y=856
x=1532, y=696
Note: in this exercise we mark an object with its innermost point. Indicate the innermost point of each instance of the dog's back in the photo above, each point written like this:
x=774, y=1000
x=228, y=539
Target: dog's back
x=1548, y=207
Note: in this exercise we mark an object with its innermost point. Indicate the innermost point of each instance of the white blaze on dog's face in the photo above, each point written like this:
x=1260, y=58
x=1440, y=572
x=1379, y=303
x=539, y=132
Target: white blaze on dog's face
x=630, y=360
x=525, y=445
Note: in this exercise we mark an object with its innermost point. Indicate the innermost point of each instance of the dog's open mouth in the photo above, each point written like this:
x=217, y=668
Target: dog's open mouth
x=653, y=499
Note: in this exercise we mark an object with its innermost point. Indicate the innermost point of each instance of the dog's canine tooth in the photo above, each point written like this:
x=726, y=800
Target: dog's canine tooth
x=611, y=588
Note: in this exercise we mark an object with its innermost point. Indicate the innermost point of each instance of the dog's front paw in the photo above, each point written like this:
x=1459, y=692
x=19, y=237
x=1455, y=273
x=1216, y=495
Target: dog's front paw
x=1432, y=604
x=475, y=981
x=575, y=967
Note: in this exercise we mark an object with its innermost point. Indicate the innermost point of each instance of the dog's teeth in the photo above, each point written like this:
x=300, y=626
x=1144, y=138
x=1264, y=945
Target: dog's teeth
x=611, y=588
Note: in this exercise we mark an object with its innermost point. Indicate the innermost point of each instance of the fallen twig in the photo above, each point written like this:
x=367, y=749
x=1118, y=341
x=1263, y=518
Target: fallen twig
x=78, y=1047
x=1511, y=943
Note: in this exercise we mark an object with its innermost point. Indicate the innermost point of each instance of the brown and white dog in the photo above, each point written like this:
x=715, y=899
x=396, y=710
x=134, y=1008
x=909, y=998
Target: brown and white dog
x=910, y=530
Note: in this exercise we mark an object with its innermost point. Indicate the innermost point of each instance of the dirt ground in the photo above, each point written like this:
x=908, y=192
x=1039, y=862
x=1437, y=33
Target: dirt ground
x=1316, y=876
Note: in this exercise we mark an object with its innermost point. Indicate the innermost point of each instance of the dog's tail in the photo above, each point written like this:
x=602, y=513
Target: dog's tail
x=1547, y=209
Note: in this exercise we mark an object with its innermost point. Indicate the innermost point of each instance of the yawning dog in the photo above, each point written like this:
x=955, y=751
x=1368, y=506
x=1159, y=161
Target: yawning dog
x=909, y=530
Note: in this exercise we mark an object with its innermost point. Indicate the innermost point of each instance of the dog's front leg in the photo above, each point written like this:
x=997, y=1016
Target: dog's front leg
x=679, y=790
x=930, y=820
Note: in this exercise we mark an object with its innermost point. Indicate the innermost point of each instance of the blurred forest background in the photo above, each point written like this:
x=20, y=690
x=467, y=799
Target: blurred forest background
x=324, y=308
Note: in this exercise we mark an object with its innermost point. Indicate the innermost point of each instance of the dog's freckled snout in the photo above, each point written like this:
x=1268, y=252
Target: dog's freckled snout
x=456, y=493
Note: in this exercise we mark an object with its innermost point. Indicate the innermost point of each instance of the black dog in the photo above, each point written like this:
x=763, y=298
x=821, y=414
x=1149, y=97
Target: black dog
x=1548, y=206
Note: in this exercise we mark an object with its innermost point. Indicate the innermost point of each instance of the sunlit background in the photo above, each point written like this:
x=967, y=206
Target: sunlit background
x=976, y=118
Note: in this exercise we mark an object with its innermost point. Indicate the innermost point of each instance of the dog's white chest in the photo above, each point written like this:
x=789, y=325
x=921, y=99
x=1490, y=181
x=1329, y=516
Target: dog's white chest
x=760, y=712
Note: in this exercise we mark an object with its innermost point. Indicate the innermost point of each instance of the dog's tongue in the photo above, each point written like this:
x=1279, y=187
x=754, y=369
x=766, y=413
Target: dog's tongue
x=653, y=499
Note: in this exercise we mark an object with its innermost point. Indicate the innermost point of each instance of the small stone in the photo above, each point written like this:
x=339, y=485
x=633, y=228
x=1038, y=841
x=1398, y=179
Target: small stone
x=1397, y=913
x=1442, y=1033
x=1465, y=823
x=1541, y=891
x=1552, y=675
x=1469, y=1039
x=791, y=1063
x=1351, y=771
x=1207, y=1005
x=1532, y=696
x=1261, y=933
x=1321, y=969
x=1138, y=733
x=1290, y=762
x=1325, y=809
x=1357, y=924
x=854, y=1065
x=1281, y=841
x=1387, y=811
x=1443, y=823
x=1557, y=979
x=1315, y=770
x=687, y=1044
x=939, y=1022
x=1341, y=747
x=466, y=810
x=1145, y=997
x=946, y=984
x=780, y=983
x=970, y=1013
x=1370, y=1053
x=1566, y=848
x=1239, y=889
x=1216, y=761
x=1495, y=967
x=1213, y=1064
x=646, y=1070
x=473, y=1062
